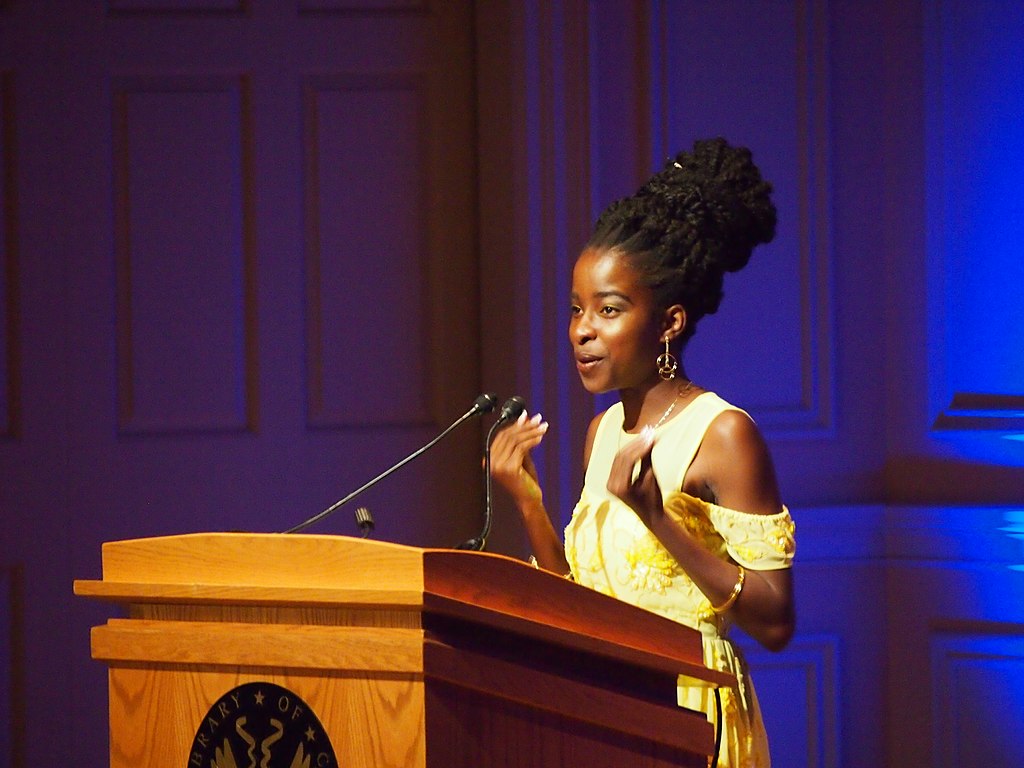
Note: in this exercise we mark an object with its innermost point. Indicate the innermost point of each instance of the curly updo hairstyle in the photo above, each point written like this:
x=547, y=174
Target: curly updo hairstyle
x=695, y=220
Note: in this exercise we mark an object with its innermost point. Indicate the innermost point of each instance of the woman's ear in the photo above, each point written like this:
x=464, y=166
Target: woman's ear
x=674, y=323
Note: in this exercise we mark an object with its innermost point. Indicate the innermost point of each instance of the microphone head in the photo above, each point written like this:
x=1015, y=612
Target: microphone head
x=514, y=406
x=364, y=520
x=485, y=403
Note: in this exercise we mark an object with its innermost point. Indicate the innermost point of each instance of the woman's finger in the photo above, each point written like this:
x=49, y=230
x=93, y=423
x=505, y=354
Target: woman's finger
x=631, y=477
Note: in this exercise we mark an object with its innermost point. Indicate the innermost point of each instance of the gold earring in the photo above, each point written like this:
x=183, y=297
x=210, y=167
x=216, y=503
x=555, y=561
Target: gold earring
x=667, y=364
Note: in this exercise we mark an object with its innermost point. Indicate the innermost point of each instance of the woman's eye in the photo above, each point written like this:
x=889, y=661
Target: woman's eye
x=575, y=309
x=609, y=310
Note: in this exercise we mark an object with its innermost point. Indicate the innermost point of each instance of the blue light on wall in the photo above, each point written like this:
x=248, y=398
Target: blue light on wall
x=1014, y=528
x=975, y=164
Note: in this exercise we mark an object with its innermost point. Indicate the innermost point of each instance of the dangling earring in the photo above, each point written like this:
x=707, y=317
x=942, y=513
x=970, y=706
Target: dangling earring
x=667, y=364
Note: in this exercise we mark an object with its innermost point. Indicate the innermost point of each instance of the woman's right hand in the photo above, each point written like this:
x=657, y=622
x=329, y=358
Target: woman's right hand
x=511, y=464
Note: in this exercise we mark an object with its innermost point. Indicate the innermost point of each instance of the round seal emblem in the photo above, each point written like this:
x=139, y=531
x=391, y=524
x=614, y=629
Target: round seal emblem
x=261, y=725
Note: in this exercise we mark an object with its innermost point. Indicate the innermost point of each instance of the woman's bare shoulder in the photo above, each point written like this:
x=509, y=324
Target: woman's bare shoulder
x=737, y=464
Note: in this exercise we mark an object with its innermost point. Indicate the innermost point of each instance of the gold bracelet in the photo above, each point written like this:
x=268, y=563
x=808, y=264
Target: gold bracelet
x=741, y=577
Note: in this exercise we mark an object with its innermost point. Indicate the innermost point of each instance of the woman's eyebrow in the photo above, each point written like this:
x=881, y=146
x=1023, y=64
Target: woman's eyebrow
x=603, y=295
x=613, y=294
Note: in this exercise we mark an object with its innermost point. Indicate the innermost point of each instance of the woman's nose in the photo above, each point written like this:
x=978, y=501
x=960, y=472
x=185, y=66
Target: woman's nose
x=580, y=329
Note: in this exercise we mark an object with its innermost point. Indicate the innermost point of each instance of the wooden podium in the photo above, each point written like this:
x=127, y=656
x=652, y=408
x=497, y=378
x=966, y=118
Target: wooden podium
x=408, y=657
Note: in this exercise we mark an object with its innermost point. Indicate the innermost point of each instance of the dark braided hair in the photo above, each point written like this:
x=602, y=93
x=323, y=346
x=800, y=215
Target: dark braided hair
x=695, y=220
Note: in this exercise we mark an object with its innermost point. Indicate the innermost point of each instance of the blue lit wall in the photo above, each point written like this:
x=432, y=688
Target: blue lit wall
x=974, y=111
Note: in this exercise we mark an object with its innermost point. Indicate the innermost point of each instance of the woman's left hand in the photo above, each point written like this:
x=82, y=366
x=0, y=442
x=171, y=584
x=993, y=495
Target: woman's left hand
x=642, y=492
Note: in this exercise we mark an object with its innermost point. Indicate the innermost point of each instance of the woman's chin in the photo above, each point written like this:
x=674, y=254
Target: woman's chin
x=595, y=386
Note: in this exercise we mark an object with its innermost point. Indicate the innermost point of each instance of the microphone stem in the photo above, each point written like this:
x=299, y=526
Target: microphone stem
x=487, y=494
x=480, y=542
x=330, y=510
x=488, y=513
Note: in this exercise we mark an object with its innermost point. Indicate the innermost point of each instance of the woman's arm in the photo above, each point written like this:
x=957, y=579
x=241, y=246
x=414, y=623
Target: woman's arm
x=733, y=468
x=512, y=467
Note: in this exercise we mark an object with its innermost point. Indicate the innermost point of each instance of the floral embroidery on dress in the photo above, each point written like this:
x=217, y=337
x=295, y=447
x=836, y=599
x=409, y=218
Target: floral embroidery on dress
x=746, y=554
x=700, y=527
x=783, y=538
x=767, y=541
x=648, y=565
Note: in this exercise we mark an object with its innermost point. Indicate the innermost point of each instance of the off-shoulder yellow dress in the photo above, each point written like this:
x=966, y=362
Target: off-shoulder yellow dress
x=609, y=549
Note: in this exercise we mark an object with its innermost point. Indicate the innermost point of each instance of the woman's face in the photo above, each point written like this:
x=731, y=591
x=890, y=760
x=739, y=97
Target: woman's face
x=615, y=329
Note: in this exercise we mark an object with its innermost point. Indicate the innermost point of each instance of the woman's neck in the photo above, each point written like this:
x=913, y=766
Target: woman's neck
x=651, y=405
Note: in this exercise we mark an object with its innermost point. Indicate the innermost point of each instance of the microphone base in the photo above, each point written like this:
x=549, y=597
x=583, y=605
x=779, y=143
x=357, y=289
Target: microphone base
x=475, y=545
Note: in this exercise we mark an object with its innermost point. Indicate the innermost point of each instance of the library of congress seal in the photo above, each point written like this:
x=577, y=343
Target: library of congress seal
x=261, y=725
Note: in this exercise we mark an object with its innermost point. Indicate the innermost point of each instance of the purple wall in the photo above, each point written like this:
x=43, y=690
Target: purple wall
x=253, y=253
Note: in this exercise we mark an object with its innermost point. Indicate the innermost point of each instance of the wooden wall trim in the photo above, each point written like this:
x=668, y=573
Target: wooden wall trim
x=10, y=314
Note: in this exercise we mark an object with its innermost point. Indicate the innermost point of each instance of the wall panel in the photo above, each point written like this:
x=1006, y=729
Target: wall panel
x=823, y=695
x=12, y=735
x=185, y=255
x=365, y=153
x=974, y=86
x=764, y=85
x=955, y=635
x=976, y=701
x=9, y=363
x=176, y=7
x=6, y=672
x=799, y=693
x=363, y=6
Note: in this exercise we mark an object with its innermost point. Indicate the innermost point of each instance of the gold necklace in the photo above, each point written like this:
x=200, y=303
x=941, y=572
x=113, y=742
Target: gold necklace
x=672, y=406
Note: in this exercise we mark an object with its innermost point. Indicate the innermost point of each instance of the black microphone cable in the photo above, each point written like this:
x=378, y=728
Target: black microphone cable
x=483, y=404
x=719, y=727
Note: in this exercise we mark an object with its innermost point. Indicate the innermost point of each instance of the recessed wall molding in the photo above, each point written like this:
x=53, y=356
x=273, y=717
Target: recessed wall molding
x=796, y=152
x=557, y=59
x=10, y=364
x=976, y=704
x=975, y=277
x=364, y=7
x=366, y=149
x=980, y=412
x=184, y=235
x=159, y=8
x=12, y=662
x=809, y=664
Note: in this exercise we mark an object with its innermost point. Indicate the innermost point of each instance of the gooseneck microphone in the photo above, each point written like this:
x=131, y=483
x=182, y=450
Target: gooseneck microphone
x=510, y=411
x=483, y=404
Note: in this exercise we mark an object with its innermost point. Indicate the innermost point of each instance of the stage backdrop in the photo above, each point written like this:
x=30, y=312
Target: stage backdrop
x=252, y=253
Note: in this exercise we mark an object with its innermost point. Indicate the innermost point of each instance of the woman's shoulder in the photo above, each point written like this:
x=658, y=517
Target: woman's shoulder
x=736, y=464
x=732, y=427
x=712, y=404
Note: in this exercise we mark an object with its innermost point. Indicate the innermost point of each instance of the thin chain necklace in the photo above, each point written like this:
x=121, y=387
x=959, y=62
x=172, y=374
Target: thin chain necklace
x=672, y=406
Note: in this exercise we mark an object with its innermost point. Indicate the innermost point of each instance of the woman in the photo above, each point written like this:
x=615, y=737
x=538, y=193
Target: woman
x=680, y=511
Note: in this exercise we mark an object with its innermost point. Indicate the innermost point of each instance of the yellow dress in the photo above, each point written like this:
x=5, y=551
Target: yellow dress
x=609, y=549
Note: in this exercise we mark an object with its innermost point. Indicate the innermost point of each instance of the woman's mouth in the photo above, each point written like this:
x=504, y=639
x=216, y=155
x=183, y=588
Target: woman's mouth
x=586, y=363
